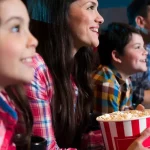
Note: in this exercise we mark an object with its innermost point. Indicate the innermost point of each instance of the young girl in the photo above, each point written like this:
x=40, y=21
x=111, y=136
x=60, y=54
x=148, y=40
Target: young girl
x=17, y=47
x=122, y=54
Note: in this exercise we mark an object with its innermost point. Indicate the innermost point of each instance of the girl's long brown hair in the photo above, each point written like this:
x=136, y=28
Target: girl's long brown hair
x=17, y=94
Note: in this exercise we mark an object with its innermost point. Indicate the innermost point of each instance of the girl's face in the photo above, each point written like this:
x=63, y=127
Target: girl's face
x=84, y=21
x=17, y=45
x=135, y=55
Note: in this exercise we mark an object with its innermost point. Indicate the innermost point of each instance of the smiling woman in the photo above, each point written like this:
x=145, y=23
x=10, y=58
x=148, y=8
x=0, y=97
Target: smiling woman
x=60, y=94
x=17, y=47
x=83, y=26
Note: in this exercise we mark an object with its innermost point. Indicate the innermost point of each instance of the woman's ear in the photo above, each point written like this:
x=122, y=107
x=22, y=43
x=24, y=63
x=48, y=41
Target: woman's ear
x=115, y=56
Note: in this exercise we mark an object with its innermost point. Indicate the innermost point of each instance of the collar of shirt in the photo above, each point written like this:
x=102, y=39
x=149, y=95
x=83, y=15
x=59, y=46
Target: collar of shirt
x=125, y=84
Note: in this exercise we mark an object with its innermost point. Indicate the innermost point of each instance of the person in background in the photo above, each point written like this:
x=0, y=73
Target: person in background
x=17, y=47
x=122, y=53
x=138, y=13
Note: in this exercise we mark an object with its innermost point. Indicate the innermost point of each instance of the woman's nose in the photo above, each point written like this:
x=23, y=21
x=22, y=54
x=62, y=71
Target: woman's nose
x=99, y=18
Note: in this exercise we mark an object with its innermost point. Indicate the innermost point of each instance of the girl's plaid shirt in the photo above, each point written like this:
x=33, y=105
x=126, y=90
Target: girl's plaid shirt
x=8, y=120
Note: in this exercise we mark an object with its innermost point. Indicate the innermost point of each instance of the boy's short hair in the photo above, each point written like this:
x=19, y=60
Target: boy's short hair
x=137, y=8
x=115, y=37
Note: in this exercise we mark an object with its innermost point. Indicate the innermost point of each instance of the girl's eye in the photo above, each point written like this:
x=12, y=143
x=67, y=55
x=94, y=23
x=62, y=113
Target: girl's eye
x=15, y=28
x=91, y=7
x=138, y=47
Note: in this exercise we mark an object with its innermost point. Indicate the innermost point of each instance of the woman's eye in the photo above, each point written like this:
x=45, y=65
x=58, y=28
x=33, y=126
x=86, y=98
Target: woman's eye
x=91, y=8
x=15, y=28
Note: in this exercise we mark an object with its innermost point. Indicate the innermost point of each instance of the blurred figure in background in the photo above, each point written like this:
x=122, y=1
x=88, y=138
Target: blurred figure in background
x=138, y=13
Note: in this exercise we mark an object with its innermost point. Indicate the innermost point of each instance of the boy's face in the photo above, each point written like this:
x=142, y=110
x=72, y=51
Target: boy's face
x=17, y=45
x=134, y=58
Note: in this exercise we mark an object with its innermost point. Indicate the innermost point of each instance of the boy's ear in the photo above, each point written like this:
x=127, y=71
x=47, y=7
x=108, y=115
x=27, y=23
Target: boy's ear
x=116, y=56
x=140, y=21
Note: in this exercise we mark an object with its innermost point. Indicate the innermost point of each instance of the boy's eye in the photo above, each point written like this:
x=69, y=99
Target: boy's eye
x=15, y=28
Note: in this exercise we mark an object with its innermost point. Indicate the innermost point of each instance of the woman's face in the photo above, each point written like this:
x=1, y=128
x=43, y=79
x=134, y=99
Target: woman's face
x=17, y=45
x=84, y=21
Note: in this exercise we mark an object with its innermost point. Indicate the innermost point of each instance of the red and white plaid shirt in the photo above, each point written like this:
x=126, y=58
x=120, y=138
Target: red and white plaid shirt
x=40, y=93
x=8, y=120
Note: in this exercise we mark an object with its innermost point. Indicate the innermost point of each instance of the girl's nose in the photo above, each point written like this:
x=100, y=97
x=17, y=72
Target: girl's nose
x=32, y=41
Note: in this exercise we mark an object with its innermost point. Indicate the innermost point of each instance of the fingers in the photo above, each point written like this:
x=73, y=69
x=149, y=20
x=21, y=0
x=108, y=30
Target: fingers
x=138, y=143
x=124, y=108
x=145, y=134
x=140, y=107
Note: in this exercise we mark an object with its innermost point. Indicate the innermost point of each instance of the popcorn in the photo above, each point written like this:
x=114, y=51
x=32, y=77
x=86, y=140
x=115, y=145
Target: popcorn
x=123, y=115
x=121, y=128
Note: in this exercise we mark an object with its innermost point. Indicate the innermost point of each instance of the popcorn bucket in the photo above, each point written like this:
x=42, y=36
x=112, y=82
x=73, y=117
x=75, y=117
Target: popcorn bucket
x=118, y=135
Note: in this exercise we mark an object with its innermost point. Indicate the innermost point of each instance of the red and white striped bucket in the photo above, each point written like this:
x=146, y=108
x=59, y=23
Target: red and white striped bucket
x=118, y=135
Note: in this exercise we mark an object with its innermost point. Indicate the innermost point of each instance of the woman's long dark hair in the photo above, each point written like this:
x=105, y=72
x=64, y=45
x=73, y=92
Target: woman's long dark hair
x=55, y=46
x=17, y=94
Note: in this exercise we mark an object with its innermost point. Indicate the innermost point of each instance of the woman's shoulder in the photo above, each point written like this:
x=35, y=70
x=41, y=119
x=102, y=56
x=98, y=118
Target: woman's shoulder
x=41, y=87
x=42, y=76
x=40, y=66
x=38, y=61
